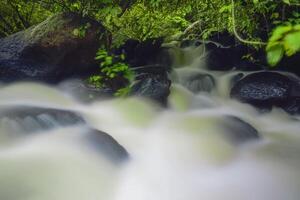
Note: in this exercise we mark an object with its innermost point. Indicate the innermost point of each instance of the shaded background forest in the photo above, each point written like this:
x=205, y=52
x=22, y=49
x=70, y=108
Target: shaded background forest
x=251, y=21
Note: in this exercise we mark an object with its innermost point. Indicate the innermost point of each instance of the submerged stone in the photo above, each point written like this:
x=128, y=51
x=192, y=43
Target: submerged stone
x=85, y=92
x=106, y=145
x=238, y=130
x=31, y=119
x=198, y=82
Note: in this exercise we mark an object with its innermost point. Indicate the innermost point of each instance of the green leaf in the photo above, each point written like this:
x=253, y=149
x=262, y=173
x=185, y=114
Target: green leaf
x=76, y=32
x=279, y=32
x=275, y=54
x=226, y=8
x=292, y=43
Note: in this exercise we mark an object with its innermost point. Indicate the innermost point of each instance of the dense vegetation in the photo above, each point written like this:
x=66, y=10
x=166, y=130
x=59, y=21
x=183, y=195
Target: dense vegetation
x=251, y=21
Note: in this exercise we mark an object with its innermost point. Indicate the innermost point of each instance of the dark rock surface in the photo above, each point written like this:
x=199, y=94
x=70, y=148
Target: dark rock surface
x=292, y=106
x=50, y=51
x=32, y=119
x=239, y=131
x=267, y=89
x=84, y=92
x=223, y=52
x=106, y=145
x=290, y=64
x=153, y=86
x=223, y=58
x=151, y=63
x=220, y=58
x=143, y=53
x=188, y=43
x=198, y=82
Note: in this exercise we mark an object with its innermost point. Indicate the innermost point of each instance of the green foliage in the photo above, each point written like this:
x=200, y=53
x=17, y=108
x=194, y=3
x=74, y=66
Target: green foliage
x=17, y=15
x=251, y=21
x=81, y=31
x=112, y=69
x=84, y=7
x=142, y=23
x=96, y=81
x=284, y=40
x=123, y=92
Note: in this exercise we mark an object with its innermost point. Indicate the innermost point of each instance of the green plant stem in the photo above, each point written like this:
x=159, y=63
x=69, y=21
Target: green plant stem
x=236, y=33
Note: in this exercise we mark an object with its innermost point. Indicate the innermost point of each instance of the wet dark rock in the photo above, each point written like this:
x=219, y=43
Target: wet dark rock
x=84, y=92
x=224, y=38
x=219, y=58
x=264, y=88
x=151, y=69
x=153, y=86
x=245, y=65
x=290, y=64
x=224, y=53
x=106, y=145
x=128, y=49
x=292, y=106
x=32, y=119
x=198, y=82
x=141, y=53
x=223, y=58
x=151, y=63
x=190, y=43
x=239, y=131
x=147, y=51
x=164, y=58
x=235, y=78
x=50, y=51
x=267, y=89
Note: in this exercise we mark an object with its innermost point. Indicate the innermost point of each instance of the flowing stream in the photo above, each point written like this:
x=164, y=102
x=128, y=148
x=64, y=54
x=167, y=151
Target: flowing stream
x=204, y=146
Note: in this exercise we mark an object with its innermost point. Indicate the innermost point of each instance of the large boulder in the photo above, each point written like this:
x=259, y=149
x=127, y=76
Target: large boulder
x=62, y=46
x=142, y=53
x=223, y=52
x=151, y=63
x=223, y=58
x=153, y=86
x=268, y=89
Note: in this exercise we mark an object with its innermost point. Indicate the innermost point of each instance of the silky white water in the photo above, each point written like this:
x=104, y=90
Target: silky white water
x=180, y=153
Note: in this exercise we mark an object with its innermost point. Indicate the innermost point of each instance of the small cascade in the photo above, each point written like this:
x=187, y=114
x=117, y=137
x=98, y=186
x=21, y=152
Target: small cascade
x=203, y=145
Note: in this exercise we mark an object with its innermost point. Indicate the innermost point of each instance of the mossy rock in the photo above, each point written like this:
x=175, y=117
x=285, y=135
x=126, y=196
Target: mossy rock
x=54, y=45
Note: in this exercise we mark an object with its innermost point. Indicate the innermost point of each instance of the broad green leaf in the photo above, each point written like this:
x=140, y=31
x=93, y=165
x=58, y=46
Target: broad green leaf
x=292, y=43
x=275, y=54
x=279, y=32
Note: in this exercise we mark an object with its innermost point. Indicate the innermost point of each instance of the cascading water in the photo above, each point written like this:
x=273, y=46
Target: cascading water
x=205, y=146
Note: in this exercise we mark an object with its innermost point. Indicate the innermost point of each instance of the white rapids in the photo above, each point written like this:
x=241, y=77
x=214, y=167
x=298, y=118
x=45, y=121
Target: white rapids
x=179, y=153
